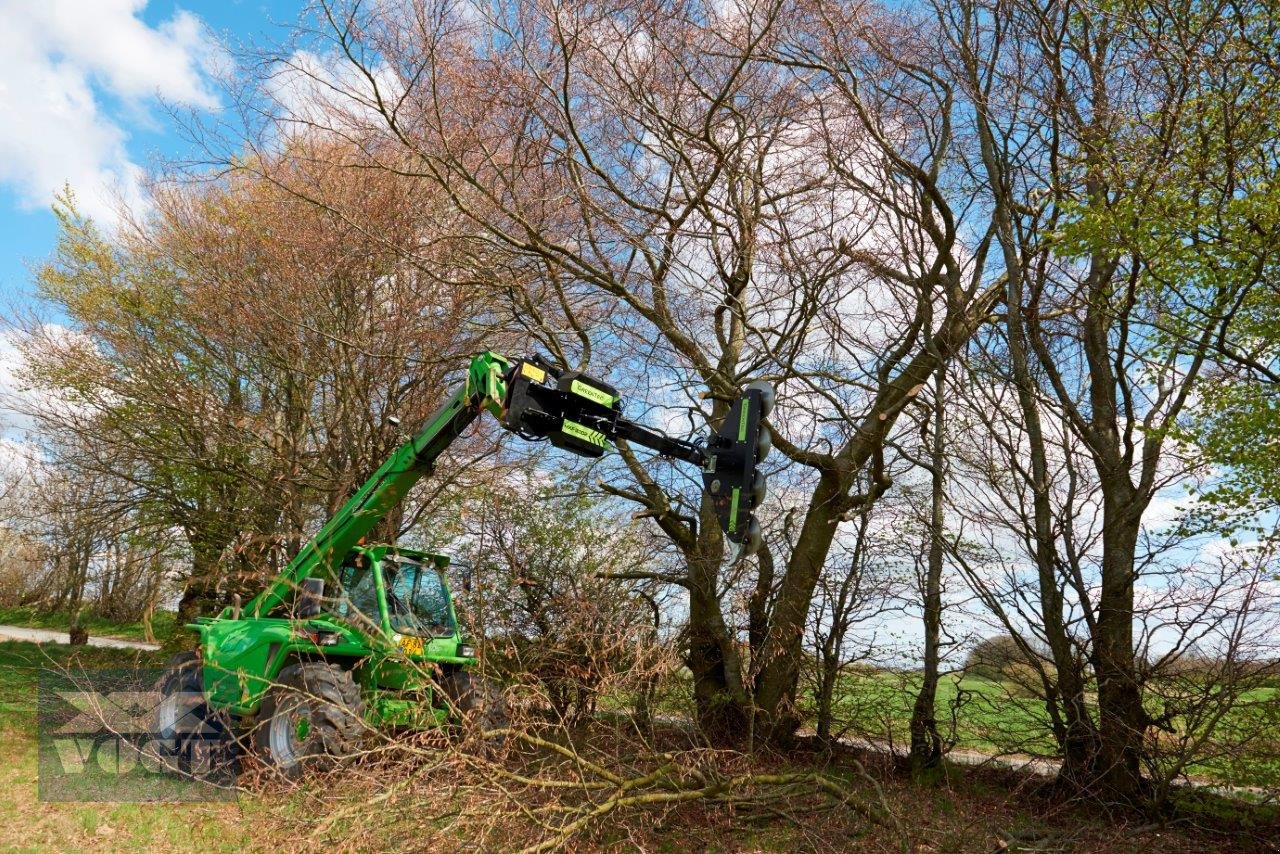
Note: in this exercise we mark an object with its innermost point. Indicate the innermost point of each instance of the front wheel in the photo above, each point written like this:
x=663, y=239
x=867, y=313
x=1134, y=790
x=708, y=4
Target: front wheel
x=310, y=718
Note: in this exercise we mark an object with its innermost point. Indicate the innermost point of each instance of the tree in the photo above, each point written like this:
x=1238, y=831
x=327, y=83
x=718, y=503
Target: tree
x=1088, y=122
x=699, y=173
x=926, y=740
x=991, y=657
x=189, y=373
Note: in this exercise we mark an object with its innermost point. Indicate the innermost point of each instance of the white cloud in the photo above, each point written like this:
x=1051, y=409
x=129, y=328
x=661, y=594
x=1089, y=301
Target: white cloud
x=18, y=401
x=63, y=59
x=325, y=92
x=1168, y=506
x=11, y=359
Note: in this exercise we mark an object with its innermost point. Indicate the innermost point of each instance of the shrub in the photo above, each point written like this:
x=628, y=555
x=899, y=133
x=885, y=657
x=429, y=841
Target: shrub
x=990, y=656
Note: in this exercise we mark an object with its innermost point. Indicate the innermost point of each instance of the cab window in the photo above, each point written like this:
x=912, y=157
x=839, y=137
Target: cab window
x=358, y=599
x=417, y=600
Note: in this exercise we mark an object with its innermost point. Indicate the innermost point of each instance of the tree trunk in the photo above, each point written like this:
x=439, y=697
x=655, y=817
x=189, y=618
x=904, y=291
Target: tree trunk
x=926, y=742
x=828, y=675
x=1074, y=729
x=779, y=671
x=200, y=595
x=723, y=706
x=1122, y=719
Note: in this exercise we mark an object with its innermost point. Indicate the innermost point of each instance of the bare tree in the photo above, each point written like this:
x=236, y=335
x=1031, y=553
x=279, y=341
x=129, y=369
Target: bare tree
x=926, y=740
x=1081, y=112
x=715, y=175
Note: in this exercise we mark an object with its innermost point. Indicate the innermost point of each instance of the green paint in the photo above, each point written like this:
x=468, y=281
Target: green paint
x=586, y=434
x=743, y=411
x=592, y=393
x=733, y=510
x=385, y=709
x=244, y=657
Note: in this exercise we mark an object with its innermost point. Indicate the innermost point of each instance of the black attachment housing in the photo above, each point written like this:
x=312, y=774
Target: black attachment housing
x=729, y=475
x=574, y=411
x=582, y=414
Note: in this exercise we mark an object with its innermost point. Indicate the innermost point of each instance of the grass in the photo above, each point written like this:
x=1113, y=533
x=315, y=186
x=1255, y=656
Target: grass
x=26, y=824
x=163, y=624
x=994, y=717
x=989, y=716
x=969, y=810
x=20, y=665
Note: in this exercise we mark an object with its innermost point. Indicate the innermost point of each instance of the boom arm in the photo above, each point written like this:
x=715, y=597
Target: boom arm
x=483, y=389
x=535, y=401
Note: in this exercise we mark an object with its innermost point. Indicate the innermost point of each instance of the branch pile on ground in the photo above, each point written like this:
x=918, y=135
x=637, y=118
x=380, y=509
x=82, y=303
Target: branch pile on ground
x=544, y=788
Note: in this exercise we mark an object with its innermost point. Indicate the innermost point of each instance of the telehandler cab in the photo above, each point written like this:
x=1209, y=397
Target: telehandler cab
x=350, y=635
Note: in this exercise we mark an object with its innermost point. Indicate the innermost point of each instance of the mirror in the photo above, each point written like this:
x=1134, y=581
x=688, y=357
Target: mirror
x=309, y=598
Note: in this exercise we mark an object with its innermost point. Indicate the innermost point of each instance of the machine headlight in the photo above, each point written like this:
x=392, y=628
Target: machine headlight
x=466, y=650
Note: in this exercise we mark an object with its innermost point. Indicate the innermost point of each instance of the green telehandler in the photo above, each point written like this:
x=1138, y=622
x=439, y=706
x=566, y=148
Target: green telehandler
x=351, y=636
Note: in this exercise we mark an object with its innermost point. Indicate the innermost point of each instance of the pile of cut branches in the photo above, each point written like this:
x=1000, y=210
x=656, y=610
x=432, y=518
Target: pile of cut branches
x=543, y=787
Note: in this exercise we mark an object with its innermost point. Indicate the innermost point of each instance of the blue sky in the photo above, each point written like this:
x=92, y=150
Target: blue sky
x=83, y=91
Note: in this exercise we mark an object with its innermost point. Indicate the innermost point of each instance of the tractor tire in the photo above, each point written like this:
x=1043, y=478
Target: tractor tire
x=311, y=718
x=190, y=737
x=477, y=700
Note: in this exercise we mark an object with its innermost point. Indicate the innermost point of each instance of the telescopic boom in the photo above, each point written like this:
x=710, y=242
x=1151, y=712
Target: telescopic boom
x=534, y=400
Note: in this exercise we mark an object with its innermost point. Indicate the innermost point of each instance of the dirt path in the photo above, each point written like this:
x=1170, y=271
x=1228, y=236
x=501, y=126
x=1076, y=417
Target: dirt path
x=21, y=633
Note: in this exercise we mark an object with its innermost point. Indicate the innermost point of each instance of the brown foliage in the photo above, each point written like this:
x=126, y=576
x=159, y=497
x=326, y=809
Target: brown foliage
x=234, y=357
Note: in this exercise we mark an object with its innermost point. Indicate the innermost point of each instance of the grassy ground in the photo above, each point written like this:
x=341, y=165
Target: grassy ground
x=163, y=624
x=26, y=824
x=20, y=665
x=1000, y=718
x=969, y=811
x=989, y=717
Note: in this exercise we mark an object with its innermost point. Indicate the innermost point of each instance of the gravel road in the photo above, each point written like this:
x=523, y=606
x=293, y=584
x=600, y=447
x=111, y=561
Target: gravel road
x=20, y=633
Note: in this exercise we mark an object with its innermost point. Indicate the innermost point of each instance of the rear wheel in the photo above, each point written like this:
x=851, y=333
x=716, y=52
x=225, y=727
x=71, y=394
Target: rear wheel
x=311, y=718
x=476, y=699
x=191, y=737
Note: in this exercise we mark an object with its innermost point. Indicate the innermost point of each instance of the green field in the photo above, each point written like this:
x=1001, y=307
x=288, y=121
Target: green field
x=163, y=624
x=1001, y=718
x=26, y=824
x=988, y=716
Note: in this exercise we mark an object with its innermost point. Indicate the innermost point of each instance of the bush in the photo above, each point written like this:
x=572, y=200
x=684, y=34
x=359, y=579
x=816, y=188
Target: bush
x=992, y=656
x=21, y=568
x=1022, y=679
x=543, y=600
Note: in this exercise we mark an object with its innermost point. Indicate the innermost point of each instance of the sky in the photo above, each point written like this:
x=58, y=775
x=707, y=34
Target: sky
x=86, y=90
